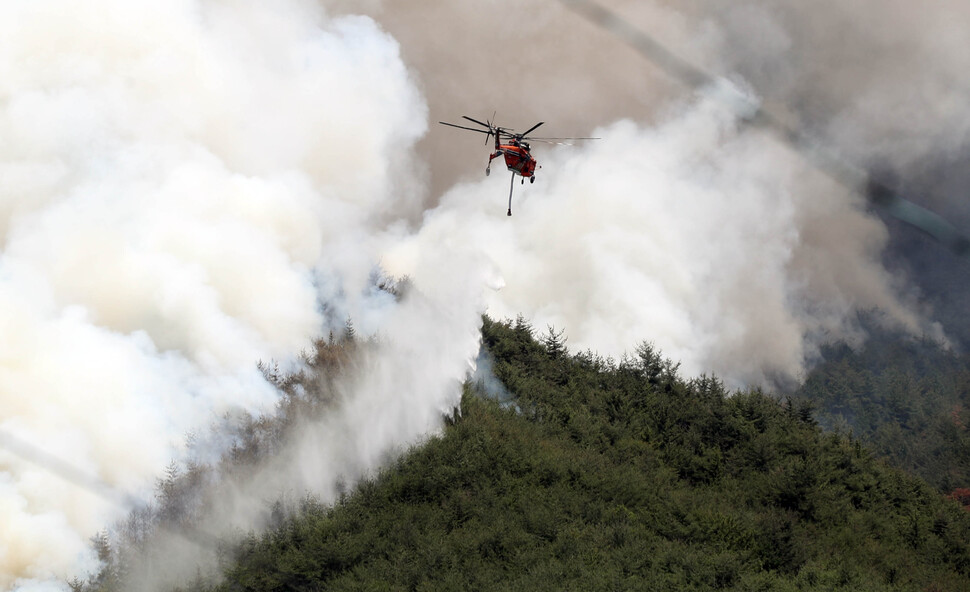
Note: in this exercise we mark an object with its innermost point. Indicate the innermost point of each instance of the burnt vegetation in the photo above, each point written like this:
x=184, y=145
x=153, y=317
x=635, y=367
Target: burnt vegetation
x=608, y=474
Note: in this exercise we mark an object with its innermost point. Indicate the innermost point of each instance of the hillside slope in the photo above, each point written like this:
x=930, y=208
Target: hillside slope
x=906, y=399
x=606, y=475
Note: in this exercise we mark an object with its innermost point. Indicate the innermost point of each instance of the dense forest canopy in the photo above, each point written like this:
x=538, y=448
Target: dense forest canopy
x=907, y=399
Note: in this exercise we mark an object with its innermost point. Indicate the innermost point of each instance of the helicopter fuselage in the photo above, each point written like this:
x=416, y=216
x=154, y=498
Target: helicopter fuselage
x=517, y=159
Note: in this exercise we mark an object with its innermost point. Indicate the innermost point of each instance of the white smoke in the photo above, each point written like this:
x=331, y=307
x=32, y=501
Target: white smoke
x=717, y=244
x=397, y=393
x=180, y=184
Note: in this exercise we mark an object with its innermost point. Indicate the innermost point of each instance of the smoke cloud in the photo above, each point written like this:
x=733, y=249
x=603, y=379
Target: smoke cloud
x=188, y=187
x=181, y=185
x=722, y=248
x=788, y=257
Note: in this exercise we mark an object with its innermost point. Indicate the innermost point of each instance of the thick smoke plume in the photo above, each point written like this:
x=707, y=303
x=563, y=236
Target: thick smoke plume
x=191, y=186
x=717, y=245
x=182, y=184
x=880, y=83
x=868, y=82
x=682, y=225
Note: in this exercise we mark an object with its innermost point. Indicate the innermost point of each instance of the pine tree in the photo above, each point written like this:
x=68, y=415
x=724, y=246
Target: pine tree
x=350, y=334
x=522, y=327
x=555, y=343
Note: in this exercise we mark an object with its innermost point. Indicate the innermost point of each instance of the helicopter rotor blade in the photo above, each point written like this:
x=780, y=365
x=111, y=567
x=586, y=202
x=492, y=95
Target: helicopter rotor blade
x=526, y=132
x=509, y=133
x=488, y=125
x=471, y=129
x=558, y=139
x=489, y=122
x=544, y=141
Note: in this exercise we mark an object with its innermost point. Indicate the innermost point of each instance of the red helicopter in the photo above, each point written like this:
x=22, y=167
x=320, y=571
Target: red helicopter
x=518, y=154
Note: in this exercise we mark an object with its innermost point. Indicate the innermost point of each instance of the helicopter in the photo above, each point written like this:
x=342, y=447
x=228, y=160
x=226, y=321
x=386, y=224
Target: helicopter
x=514, y=147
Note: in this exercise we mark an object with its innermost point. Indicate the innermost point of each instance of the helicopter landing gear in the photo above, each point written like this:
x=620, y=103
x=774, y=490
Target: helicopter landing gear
x=532, y=179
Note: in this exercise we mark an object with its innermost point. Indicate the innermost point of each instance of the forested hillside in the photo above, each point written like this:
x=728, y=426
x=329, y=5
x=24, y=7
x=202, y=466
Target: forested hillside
x=600, y=474
x=907, y=399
